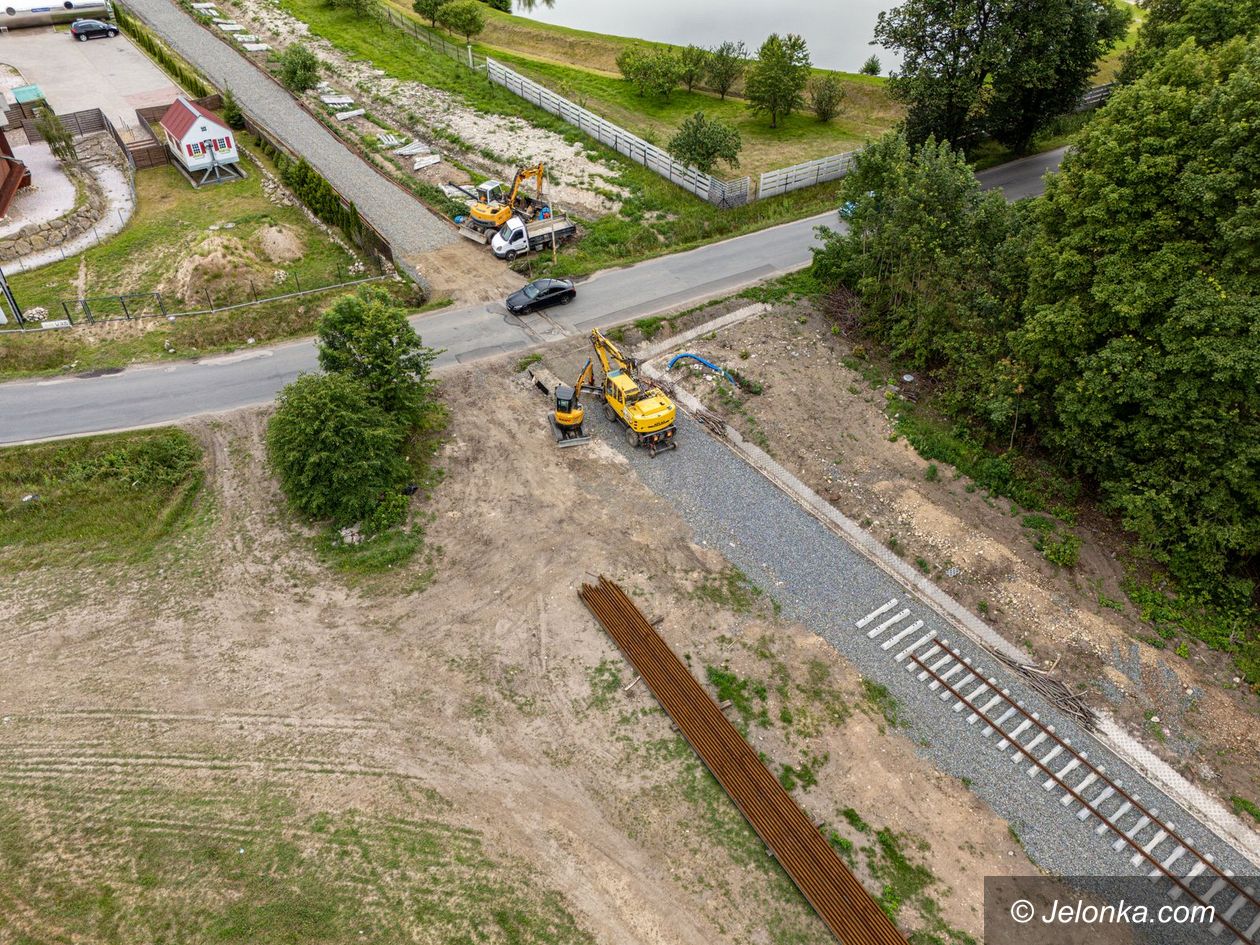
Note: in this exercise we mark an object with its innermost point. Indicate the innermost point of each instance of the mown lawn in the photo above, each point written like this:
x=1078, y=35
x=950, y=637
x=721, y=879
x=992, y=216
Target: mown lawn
x=95, y=500
x=171, y=225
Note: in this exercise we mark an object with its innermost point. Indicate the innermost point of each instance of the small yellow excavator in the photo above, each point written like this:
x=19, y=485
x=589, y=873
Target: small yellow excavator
x=491, y=216
x=568, y=413
x=648, y=415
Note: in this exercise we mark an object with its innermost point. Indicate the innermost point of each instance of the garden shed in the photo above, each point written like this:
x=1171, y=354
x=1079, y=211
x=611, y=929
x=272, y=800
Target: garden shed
x=199, y=139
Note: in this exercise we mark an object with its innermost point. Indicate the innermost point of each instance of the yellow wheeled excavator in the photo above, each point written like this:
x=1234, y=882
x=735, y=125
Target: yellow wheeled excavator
x=491, y=216
x=647, y=414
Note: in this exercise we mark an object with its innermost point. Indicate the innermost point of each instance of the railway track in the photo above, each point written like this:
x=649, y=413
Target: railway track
x=1153, y=846
x=843, y=904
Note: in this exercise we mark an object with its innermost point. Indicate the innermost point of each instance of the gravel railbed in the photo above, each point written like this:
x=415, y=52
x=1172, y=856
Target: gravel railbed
x=405, y=223
x=823, y=583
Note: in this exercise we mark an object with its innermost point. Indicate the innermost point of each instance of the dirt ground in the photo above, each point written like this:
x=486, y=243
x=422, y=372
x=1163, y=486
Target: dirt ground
x=829, y=425
x=233, y=695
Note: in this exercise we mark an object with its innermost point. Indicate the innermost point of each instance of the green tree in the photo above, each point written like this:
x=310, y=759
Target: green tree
x=299, y=68
x=650, y=71
x=1143, y=316
x=948, y=50
x=871, y=66
x=232, y=111
x=778, y=76
x=826, y=93
x=936, y=265
x=369, y=338
x=693, y=66
x=429, y=9
x=59, y=138
x=1051, y=50
x=702, y=142
x=727, y=63
x=464, y=17
x=336, y=453
x=1166, y=24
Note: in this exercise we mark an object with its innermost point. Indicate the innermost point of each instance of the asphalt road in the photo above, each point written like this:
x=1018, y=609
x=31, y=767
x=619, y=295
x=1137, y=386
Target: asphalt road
x=160, y=393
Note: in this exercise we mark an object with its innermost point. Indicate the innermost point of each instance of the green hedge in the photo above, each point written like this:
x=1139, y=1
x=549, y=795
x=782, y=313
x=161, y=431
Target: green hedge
x=174, y=66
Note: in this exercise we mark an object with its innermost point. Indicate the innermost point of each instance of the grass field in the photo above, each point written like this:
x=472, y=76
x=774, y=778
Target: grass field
x=167, y=246
x=137, y=861
x=96, y=500
x=866, y=113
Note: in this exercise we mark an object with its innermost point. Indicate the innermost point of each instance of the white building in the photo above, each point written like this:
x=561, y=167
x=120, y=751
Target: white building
x=197, y=137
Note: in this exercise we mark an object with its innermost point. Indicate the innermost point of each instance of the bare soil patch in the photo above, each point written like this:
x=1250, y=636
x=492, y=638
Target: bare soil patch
x=233, y=694
x=828, y=424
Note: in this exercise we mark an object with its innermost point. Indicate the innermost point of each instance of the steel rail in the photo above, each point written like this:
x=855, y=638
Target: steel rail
x=844, y=905
x=1094, y=774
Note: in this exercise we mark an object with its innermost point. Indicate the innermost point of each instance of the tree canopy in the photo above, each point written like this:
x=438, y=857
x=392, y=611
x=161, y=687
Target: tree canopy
x=464, y=17
x=367, y=337
x=651, y=71
x=1143, y=328
x=702, y=142
x=726, y=66
x=337, y=454
x=777, y=78
x=994, y=65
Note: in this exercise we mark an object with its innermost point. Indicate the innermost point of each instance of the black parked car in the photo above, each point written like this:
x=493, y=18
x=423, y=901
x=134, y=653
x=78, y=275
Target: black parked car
x=540, y=294
x=83, y=30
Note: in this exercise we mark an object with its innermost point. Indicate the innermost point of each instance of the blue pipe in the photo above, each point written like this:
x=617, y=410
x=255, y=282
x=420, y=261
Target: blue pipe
x=709, y=364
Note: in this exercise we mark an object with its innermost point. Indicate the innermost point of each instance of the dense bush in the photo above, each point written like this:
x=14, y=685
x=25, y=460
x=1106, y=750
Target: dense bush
x=299, y=68
x=336, y=453
x=1112, y=325
x=345, y=443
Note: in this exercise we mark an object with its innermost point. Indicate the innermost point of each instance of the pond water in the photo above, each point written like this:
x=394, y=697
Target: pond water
x=838, y=31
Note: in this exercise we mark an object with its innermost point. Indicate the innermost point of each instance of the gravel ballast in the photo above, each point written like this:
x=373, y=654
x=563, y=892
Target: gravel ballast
x=823, y=583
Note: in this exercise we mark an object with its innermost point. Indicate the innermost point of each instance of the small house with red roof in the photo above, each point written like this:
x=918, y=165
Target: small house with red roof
x=197, y=137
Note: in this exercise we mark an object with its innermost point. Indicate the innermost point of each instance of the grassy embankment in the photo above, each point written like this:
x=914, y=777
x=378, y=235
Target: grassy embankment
x=100, y=500
x=656, y=217
x=167, y=247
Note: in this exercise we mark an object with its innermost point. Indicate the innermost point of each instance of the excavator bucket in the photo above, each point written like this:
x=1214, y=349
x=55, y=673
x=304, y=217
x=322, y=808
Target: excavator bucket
x=566, y=438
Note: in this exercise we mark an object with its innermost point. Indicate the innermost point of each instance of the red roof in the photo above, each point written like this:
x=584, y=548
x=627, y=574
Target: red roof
x=182, y=114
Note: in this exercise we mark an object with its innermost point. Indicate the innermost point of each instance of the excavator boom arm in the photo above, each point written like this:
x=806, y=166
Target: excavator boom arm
x=610, y=355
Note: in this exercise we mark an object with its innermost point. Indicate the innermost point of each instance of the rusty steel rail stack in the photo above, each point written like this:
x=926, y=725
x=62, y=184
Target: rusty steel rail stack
x=840, y=900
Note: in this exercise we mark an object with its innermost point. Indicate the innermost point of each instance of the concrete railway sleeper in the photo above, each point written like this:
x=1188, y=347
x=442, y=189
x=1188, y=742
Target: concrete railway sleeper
x=844, y=905
x=1149, y=841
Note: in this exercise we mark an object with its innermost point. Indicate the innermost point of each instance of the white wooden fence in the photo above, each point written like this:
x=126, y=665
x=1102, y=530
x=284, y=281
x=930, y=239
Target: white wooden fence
x=806, y=174
x=704, y=186
x=730, y=193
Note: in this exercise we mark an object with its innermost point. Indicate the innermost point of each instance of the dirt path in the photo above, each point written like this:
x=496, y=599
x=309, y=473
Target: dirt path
x=469, y=696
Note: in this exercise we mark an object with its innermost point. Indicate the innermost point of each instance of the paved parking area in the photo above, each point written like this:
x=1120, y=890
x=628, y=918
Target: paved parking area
x=109, y=74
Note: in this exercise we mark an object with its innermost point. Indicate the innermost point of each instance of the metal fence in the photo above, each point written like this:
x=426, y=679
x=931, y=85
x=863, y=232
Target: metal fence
x=138, y=305
x=464, y=55
x=805, y=174
x=704, y=186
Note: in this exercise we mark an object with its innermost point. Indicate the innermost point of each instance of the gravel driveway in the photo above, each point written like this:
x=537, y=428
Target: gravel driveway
x=406, y=223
